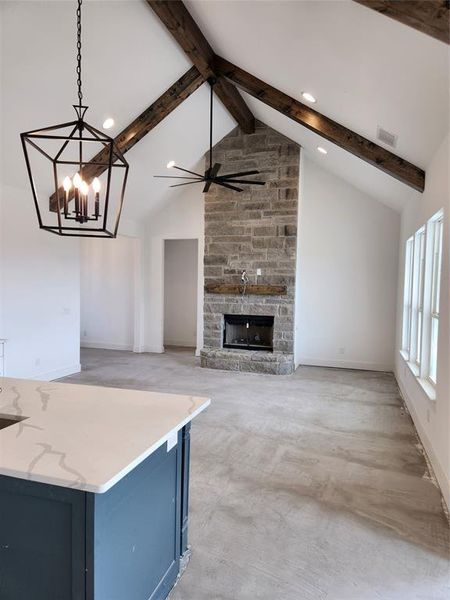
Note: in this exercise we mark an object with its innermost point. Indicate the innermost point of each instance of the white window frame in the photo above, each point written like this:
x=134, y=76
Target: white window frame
x=436, y=226
x=415, y=350
x=422, y=281
x=407, y=297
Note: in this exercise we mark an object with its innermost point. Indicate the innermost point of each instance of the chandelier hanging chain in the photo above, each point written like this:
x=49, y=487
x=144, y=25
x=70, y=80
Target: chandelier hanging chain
x=80, y=93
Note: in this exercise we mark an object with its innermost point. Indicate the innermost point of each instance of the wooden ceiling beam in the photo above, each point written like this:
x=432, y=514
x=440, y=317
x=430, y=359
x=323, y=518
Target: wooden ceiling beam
x=145, y=122
x=428, y=16
x=354, y=143
x=179, y=22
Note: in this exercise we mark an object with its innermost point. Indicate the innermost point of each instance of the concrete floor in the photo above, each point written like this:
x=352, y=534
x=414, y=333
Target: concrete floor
x=303, y=487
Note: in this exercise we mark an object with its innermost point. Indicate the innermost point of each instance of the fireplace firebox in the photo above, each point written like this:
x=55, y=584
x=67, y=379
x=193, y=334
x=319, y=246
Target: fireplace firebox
x=248, y=332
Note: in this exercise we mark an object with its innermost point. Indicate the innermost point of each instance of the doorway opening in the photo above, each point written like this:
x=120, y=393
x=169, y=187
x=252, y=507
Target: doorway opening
x=108, y=293
x=180, y=293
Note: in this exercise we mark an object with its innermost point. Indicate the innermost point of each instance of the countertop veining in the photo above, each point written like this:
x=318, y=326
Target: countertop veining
x=85, y=437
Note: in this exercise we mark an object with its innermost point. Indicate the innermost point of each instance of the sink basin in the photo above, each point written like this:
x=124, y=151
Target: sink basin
x=7, y=420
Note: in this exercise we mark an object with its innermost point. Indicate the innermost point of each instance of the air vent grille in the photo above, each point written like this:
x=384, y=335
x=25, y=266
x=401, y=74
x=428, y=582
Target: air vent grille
x=390, y=139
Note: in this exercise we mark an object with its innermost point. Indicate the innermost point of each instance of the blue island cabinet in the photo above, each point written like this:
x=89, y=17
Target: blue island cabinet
x=58, y=543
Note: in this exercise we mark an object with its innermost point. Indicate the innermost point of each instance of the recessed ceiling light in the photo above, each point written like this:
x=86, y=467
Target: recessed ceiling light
x=170, y=164
x=322, y=150
x=108, y=123
x=309, y=97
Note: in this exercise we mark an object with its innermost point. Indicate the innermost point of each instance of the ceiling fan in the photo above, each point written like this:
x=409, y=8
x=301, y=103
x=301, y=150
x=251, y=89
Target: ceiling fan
x=212, y=172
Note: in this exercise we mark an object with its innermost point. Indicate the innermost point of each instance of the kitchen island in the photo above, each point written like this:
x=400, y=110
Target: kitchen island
x=93, y=491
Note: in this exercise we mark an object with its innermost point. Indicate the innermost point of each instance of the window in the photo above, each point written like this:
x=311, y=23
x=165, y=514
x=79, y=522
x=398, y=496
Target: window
x=437, y=226
x=407, y=296
x=419, y=276
x=423, y=261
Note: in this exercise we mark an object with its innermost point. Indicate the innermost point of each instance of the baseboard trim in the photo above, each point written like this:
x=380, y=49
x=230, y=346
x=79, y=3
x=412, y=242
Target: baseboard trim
x=433, y=460
x=57, y=373
x=181, y=343
x=153, y=349
x=106, y=346
x=344, y=364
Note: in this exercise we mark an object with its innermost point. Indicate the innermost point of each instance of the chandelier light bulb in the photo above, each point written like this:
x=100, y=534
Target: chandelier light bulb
x=84, y=188
x=96, y=185
x=170, y=164
x=77, y=180
x=108, y=123
x=67, y=184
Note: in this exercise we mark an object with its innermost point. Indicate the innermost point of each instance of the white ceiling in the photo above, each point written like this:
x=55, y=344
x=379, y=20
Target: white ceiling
x=365, y=69
x=129, y=60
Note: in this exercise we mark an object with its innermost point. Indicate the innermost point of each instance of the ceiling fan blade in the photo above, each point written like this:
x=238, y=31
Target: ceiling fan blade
x=207, y=185
x=175, y=177
x=240, y=174
x=186, y=171
x=215, y=169
x=249, y=182
x=211, y=172
x=231, y=187
x=186, y=183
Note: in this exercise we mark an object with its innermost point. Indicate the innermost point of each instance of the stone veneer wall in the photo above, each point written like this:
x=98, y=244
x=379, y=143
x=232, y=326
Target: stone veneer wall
x=256, y=228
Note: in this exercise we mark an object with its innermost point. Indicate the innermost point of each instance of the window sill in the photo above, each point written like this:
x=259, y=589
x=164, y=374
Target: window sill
x=404, y=355
x=428, y=388
x=425, y=385
x=414, y=369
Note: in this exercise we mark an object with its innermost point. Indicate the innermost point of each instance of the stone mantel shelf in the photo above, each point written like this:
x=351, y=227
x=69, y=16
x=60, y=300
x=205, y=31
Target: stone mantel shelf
x=260, y=289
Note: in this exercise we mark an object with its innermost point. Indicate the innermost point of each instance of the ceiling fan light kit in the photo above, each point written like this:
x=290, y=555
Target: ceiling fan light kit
x=77, y=173
x=211, y=174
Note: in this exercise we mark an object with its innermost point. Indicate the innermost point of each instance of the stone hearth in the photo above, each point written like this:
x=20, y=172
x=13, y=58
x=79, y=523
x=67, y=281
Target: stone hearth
x=252, y=361
x=254, y=229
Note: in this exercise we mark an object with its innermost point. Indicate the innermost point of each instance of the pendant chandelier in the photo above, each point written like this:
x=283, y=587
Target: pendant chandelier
x=77, y=173
x=212, y=172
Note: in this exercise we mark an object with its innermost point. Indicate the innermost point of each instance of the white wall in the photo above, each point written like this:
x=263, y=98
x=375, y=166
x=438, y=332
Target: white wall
x=39, y=272
x=297, y=306
x=40, y=293
x=181, y=217
x=432, y=418
x=122, y=280
x=108, y=293
x=347, y=270
x=180, y=292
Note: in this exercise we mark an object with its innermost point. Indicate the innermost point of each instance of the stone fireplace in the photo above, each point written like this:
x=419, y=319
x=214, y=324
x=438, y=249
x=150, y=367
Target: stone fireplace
x=251, y=328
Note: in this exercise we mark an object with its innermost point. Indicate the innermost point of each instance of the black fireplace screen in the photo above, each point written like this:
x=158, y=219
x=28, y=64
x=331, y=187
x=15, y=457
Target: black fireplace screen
x=248, y=332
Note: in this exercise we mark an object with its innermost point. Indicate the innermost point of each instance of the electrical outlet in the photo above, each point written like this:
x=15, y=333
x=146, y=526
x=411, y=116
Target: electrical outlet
x=341, y=350
x=258, y=272
x=84, y=333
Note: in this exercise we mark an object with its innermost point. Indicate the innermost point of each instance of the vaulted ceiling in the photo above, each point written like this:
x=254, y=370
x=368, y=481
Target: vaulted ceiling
x=364, y=68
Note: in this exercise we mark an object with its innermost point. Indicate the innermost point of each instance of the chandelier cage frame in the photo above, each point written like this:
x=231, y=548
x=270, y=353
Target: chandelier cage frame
x=108, y=162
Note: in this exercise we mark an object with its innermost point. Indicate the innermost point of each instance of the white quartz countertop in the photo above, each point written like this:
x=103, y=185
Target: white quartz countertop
x=85, y=437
